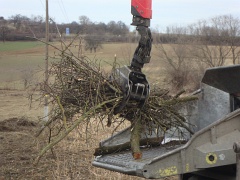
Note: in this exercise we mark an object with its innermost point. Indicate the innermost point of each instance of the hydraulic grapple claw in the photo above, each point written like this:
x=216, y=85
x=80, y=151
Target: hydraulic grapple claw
x=134, y=86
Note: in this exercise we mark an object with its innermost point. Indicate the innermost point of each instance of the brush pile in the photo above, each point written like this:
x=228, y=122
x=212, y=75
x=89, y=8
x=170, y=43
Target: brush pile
x=79, y=90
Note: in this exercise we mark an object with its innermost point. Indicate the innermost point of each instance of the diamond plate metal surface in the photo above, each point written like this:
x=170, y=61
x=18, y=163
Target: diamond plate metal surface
x=125, y=163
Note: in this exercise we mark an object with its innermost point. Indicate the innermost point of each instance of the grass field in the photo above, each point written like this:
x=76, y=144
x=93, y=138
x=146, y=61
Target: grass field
x=17, y=59
x=17, y=46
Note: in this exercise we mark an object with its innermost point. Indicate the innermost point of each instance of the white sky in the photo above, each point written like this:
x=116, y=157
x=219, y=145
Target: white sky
x=165, y=12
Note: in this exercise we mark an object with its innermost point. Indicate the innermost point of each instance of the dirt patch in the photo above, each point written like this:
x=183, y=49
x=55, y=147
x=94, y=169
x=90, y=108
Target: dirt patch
x=16, y=124
x=71, y=159
x=17, y=148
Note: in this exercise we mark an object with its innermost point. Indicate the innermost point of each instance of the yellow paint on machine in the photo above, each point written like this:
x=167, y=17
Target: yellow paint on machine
x=168, y=171
x=187, y=167
x=211, y=158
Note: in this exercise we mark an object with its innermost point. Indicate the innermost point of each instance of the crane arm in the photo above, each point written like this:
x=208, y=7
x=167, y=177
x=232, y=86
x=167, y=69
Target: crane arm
x=130, y=78
x=142, y=13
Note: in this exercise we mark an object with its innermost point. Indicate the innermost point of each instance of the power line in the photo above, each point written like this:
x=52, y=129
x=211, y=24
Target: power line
x=62, y=7
x=65, y=10
x=42, y=5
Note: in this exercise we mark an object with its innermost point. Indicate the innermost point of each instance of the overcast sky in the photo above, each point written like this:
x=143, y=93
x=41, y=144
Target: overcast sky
x=165, y=12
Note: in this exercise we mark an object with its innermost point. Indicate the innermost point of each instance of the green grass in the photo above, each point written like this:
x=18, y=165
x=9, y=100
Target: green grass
x=16, y=46
x=13, y=69
x=15, y=63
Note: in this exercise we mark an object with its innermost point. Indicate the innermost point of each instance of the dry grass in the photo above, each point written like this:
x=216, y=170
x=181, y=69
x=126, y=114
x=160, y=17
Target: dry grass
x=71, y=159
x=74, y=157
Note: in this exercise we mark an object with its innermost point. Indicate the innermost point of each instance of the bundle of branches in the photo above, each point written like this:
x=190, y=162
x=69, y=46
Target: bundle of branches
x=78, y=86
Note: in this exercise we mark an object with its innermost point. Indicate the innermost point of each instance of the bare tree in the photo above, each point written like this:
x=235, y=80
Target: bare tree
x=18, y=20
x=176, y=57
x=216, y=40
x=188, y=51
x=4, y=31
x=231, y=28
x=212, y=56
x=27, y=77
x=93, y=43
x=84, y=20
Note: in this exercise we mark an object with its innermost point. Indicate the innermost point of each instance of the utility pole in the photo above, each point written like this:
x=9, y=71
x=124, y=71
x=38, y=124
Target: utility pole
x=46, y=63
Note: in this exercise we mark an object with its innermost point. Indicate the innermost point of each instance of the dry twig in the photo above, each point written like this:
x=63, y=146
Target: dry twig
x=81, y=88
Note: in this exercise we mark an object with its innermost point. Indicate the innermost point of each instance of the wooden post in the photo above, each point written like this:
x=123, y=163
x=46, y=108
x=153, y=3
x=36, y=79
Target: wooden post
x=80, y=50
x=236, y=148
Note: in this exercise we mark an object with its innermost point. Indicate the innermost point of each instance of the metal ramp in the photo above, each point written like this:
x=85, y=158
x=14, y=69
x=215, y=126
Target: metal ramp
x=123, y=161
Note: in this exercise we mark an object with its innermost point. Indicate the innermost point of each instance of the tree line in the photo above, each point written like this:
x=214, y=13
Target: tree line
x=189, y=50
x=18, y=27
